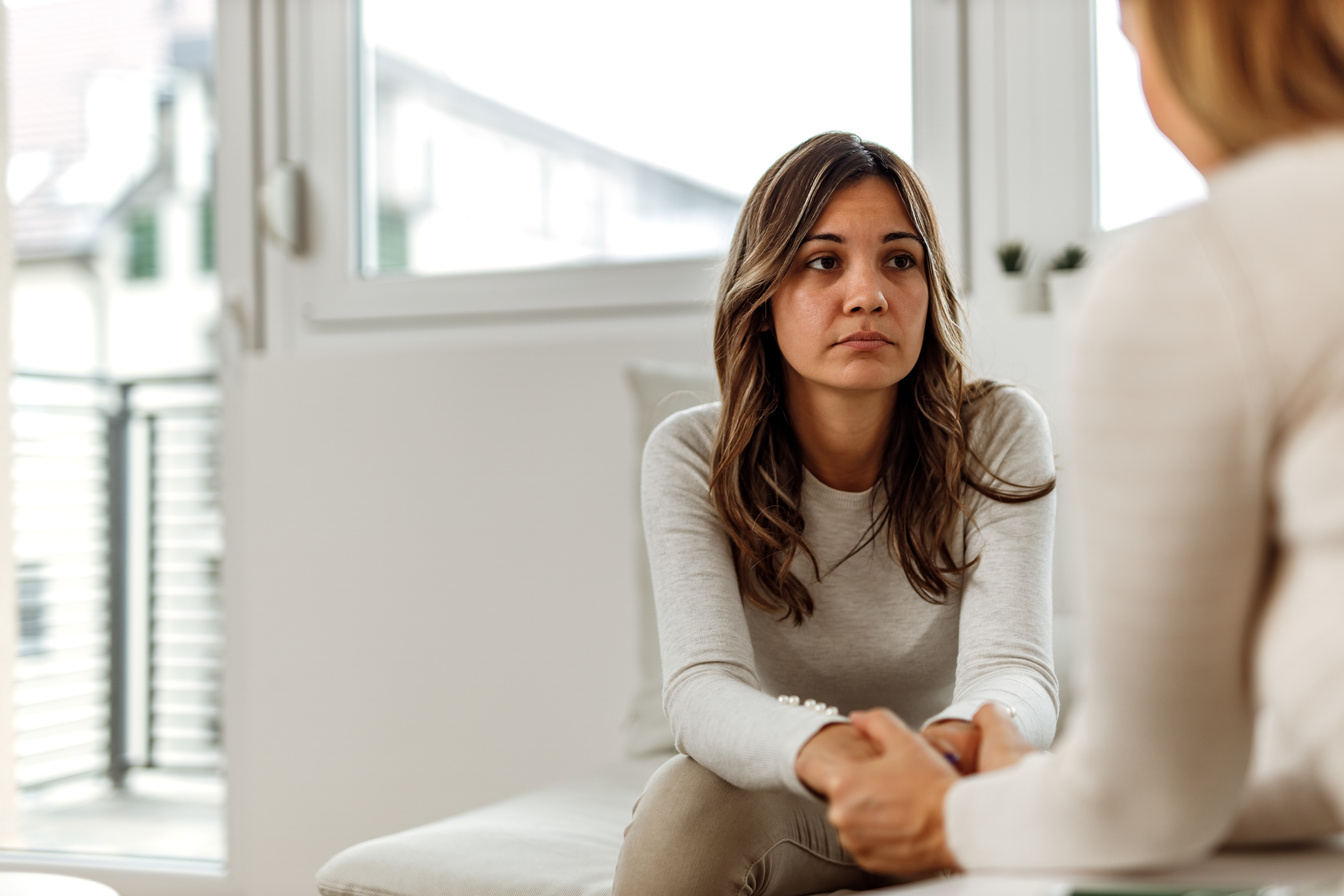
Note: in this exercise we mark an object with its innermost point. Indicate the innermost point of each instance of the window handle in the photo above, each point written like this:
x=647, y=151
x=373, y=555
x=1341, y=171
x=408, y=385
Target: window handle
x=281, y=199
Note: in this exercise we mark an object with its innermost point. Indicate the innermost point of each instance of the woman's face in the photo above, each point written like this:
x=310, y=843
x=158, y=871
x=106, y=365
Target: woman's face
x=849, y=315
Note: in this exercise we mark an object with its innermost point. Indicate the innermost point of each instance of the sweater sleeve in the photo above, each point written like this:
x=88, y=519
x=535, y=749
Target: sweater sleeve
x=711, y=692
x=1169, y=414
x=1284, y=800
x=1004, y=649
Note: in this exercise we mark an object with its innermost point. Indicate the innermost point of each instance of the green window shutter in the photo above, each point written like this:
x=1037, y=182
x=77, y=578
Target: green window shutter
x=143, y=257
x=207, y=232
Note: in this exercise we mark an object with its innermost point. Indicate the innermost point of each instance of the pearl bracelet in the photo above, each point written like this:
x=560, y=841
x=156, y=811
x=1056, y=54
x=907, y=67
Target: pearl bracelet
x=814, y=705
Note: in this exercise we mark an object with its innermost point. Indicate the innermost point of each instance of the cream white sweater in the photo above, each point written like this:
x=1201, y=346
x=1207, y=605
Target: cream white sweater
x=1208, y=398
x=872, y=641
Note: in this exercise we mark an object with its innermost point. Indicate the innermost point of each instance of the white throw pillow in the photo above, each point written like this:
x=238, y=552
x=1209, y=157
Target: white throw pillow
x=660, y=389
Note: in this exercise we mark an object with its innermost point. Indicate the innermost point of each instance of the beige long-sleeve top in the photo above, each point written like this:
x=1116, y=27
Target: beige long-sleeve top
x=872, y=640
x=1207, y=395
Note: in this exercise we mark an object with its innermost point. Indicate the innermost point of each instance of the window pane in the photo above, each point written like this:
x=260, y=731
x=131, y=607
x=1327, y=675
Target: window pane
x=1141, y=173
x=118, y=536
x=505, y=136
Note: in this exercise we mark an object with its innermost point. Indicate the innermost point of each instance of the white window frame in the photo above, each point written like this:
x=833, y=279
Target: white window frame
x=1029, y=138
x=307, y=117
x=324, y=138
x=1004, y=137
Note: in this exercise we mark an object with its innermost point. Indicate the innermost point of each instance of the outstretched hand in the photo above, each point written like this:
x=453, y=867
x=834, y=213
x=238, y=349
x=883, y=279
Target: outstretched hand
x=889, y=809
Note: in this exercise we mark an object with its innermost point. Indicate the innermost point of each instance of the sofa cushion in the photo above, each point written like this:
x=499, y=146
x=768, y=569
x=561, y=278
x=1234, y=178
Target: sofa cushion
x=560, y=841
x=659, y=389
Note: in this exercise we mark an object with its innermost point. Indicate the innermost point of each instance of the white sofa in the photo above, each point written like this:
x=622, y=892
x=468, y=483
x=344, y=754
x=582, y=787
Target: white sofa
x=562, y=840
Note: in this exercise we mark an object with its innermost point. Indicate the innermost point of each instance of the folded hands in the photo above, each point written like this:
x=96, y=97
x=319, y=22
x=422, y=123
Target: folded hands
x=886, y=784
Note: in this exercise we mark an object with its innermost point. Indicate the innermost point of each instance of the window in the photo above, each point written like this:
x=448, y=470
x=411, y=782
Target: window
x=1140, y=173
x=115, y=735
x=602, y=136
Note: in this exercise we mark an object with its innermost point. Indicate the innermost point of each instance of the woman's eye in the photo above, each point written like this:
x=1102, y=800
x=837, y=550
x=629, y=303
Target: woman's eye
x=902, y=262
x=824, y=263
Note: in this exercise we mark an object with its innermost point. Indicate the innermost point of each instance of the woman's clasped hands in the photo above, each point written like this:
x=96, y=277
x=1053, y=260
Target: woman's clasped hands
x=886, y=783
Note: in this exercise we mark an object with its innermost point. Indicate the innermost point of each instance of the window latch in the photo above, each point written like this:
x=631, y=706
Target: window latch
x=281, y=199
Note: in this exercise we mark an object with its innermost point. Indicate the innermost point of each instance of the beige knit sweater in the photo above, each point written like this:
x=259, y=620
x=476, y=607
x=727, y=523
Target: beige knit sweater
x=1207, y=395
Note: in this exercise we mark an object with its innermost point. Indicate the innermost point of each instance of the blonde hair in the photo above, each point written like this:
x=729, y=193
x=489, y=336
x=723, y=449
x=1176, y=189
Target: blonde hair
x=756, y=471
x=1253, y=70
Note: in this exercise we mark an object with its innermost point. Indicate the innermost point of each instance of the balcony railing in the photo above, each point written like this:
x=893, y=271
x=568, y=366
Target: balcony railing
x=118, y=539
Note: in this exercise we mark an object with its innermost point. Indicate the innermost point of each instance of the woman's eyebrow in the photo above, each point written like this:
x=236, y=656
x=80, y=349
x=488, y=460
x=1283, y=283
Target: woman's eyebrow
x=894, y=235
x=902, y=235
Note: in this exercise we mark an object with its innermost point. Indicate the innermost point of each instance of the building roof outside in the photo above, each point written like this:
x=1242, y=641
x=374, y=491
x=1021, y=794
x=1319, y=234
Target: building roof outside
x=86, y=77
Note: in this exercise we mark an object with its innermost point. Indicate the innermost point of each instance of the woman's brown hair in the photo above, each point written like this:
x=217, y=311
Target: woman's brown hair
x=756, y=472
x=1253, y=70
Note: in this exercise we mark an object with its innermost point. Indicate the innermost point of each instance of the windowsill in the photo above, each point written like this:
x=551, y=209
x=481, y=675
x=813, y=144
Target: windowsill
x=627, y=288
x=60, y=863
x=160, y=820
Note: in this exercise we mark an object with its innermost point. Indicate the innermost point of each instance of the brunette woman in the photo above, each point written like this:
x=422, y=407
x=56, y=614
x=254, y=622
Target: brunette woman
x=858, y=523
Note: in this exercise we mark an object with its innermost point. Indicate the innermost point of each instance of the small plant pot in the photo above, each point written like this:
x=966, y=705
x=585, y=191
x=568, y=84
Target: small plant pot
x=1021, y=293
x=1064, y=290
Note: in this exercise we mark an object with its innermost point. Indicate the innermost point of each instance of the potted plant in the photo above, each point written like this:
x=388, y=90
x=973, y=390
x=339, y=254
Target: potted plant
x=1012, y=257
x=1063, y=282
x=1018, y=291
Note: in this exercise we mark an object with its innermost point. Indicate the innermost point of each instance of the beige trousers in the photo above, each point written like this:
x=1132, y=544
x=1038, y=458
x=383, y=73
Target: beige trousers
x=694, y=834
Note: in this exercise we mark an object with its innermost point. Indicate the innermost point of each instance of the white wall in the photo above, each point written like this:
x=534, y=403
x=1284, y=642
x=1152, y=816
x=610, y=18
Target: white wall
x=430, y=580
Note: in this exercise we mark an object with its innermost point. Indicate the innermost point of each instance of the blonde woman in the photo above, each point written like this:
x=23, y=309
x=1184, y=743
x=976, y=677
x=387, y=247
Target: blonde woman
x=1208, y=390
x=855, y=523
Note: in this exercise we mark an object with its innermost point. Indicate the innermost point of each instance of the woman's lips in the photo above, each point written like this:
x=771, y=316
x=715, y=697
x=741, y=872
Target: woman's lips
x=865, y=341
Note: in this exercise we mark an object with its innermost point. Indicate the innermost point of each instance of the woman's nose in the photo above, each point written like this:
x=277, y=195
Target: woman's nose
x=866, y=293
